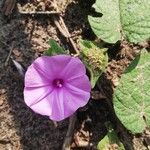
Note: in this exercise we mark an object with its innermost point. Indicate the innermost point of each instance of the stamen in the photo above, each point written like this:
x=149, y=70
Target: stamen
x=58, y=83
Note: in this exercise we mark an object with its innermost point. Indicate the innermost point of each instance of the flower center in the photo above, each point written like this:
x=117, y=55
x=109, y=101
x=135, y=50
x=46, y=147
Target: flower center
x=58, y=83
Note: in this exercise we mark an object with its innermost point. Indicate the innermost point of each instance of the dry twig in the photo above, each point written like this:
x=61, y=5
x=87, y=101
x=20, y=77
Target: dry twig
x=59, y=22
x=38, y=12
x=64, y=31
x=9, y=54
x=69, y=36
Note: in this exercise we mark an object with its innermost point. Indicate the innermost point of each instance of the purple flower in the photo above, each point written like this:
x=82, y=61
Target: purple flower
x=56, y=86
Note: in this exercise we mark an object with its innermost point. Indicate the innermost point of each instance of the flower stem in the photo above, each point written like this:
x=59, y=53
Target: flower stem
x=70, y=131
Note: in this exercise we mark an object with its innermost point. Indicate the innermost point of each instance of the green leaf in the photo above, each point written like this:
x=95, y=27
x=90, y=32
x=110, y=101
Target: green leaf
x=132, y=96
x=54, y=49
x=110, y=140
x=94, y=58
x=133, y=64
x=129, y=19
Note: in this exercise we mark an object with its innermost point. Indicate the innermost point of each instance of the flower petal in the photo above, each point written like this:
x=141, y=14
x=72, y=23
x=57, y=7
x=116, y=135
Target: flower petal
x=73, y=69
x=61, y=66
x=52, y=66
x=75, y=100
x=80, y=82
x=45, y=69
x=33, y=96
x=65, y=103
x=83, y=95
x=58, y=111
x=34, y=77
x=43, y=107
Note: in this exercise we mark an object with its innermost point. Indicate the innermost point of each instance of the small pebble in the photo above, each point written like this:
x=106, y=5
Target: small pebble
x=2, y=91
x=1, y=102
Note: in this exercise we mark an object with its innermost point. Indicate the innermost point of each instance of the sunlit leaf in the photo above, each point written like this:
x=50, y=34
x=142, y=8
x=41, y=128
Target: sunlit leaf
x=129, y=19
x=132, y=96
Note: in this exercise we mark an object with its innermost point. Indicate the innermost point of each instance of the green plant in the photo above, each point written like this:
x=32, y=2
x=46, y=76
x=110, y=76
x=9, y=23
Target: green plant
x=128, y=19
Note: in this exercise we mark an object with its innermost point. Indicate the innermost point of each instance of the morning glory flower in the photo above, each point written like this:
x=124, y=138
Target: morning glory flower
x=56, y=86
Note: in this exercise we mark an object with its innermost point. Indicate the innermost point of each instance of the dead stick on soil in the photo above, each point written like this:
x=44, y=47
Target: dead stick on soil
x=66, y=34
x=63, y=29
x=38, y=12
x=60, y=28
x=9, y=54
x=70, y=132
x=69, y=36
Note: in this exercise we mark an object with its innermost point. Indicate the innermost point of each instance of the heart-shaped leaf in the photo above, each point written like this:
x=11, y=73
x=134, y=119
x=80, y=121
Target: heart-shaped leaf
x=132, y=96
x=129, y=19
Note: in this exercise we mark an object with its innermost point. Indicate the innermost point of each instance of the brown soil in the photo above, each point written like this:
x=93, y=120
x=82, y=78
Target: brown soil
x=26, y=37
